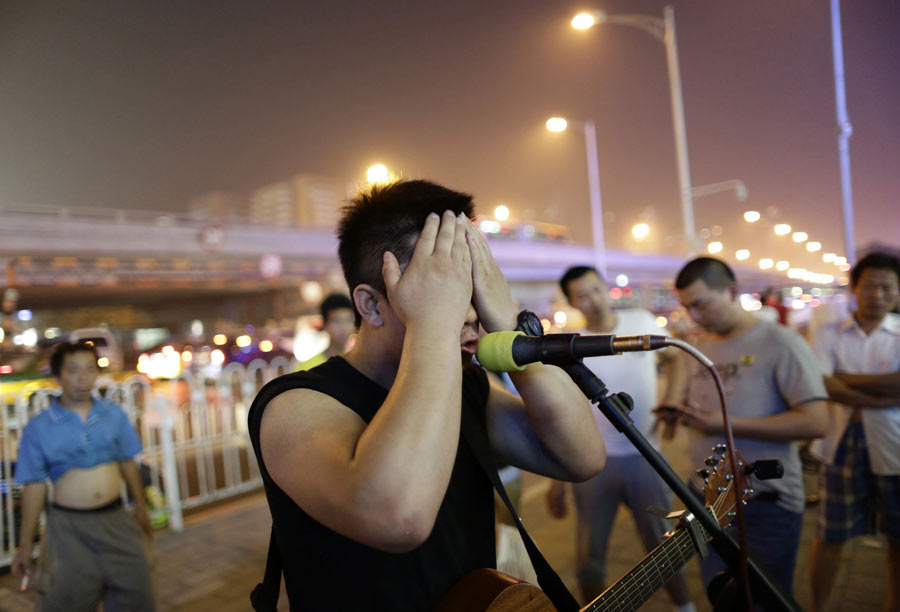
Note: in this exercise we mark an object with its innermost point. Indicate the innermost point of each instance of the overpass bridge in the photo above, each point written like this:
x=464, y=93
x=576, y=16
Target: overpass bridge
x=57, y=256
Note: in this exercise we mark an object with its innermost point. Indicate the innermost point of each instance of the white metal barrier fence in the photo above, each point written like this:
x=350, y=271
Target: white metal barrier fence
x=194, y=430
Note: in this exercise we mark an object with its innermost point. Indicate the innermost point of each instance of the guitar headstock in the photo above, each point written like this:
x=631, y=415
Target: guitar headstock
x=721, y=492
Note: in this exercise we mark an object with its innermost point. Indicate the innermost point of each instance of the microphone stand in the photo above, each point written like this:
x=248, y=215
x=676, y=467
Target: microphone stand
x=615, y=408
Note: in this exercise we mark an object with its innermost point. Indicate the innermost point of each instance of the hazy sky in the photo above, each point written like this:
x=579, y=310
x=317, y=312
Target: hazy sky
x=146, y=104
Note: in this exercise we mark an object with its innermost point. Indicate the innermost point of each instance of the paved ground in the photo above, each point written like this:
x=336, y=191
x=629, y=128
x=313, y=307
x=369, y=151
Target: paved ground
x=220, y=556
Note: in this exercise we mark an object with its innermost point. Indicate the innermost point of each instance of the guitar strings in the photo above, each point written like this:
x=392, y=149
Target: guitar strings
x=624, y=595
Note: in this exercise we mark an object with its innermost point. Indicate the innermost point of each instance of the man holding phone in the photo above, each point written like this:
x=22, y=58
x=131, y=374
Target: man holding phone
x=628, y=478
x=775, y=397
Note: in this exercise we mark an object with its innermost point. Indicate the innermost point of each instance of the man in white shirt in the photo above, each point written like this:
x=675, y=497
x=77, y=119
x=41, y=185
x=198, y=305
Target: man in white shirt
x=860, y=478
x=628, y=478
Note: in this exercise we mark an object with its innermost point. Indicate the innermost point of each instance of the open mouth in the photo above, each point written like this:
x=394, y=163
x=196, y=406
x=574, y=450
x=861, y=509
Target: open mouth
x=469, y=346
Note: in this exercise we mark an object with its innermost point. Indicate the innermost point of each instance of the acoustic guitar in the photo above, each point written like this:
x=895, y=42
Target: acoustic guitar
x=487, y=590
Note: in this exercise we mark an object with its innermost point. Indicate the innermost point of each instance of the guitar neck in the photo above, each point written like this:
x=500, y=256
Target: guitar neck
x=638, y=585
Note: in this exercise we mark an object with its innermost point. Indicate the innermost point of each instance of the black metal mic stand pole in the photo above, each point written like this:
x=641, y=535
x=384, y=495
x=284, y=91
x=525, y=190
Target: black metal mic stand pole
x=616, y=408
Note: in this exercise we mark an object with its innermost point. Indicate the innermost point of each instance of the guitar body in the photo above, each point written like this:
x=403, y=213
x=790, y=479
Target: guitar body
x=487, y=590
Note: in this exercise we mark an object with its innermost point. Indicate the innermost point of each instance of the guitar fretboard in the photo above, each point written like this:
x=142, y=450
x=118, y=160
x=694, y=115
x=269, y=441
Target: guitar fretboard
x=638, y=585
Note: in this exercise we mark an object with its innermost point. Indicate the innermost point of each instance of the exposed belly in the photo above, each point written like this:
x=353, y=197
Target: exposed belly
x=88, y=487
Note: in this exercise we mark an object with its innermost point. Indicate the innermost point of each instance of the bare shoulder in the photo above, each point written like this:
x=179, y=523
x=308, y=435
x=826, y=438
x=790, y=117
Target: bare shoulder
x=303, y=418
x=302, y=428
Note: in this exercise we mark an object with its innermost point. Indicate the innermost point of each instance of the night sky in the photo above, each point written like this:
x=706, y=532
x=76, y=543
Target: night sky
x=147, y=104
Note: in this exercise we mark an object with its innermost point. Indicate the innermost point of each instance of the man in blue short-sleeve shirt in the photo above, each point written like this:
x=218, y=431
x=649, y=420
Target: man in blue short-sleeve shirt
x=86, y=448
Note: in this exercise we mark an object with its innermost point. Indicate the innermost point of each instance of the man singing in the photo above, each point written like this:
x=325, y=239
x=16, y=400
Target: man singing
x=377, y=501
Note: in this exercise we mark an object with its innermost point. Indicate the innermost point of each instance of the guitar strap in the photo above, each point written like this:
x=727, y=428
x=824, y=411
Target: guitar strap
x=264, y=597
x=549, y=581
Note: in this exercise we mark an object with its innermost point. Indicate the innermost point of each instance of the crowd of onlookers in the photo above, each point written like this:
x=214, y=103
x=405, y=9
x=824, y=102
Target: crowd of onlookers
x=839, y=390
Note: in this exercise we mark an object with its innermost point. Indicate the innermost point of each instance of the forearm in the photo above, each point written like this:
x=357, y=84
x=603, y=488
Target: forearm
x=405, y=456
x=34, y=497
x=804, y=423
x=840, y=392
x=875, y=384
x=561, y=417
x=675, y=370
x=131, y=474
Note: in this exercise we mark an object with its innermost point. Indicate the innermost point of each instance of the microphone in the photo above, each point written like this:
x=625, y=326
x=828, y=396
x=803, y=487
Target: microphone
x=511, y=351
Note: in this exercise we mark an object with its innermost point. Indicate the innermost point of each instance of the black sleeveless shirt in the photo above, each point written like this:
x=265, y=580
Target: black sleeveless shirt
x=324, y=570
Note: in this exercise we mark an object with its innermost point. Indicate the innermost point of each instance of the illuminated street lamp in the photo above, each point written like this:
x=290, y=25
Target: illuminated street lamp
x=741, y=254
x=812, y=246
x=782, y=265
x=714, y=247
x=559, y=124
x=583, y=21
x=664, y=31
x=378, y=174
x=640, y=231
x=751, y=216
x=782, y=229
x=800, y=236
x=501, y=213
x=765, y=264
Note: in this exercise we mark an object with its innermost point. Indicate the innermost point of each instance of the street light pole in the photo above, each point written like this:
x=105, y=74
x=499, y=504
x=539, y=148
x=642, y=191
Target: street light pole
x=846, y=130
x=559, y=124
x=664, y=31
x=678, y=124
x=590, y=146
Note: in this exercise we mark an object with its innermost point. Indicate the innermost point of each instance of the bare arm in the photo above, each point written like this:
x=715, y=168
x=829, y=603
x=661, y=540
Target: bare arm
x=873, y=384
x=675, y=370
x=841, y=392
x=131, y=474
x=34, y=496
x=549, y=429
x=382, y=484
x=801, y=422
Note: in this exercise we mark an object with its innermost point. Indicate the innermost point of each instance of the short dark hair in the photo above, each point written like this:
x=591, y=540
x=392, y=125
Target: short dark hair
x=335, y=301
x=387, y=218
x=68, y=348
x=875, y=260
x=574, y=273
x=714, y=272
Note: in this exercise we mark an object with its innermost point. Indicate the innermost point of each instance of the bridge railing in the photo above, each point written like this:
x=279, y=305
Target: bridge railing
x=197, y=448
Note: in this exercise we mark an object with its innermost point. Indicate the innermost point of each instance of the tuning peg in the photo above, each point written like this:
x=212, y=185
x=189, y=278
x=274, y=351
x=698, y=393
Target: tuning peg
x=765, y=469
x=720, y=449
x=703, y=473
x=712, y=461
x=720, y=489
x=728, y=477
x=731, y=514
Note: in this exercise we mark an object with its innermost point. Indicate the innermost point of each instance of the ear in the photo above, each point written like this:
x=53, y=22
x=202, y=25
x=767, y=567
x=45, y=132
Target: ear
x=366, y=297
x=733, y=291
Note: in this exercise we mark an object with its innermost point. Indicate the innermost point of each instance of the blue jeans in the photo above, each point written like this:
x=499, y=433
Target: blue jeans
x=773, y=536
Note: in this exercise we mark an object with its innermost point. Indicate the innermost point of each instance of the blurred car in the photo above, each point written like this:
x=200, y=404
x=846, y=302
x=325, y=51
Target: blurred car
x=25, y=369
x=168, y=360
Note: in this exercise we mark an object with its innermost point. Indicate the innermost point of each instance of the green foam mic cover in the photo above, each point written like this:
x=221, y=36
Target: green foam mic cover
x=495, y=351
